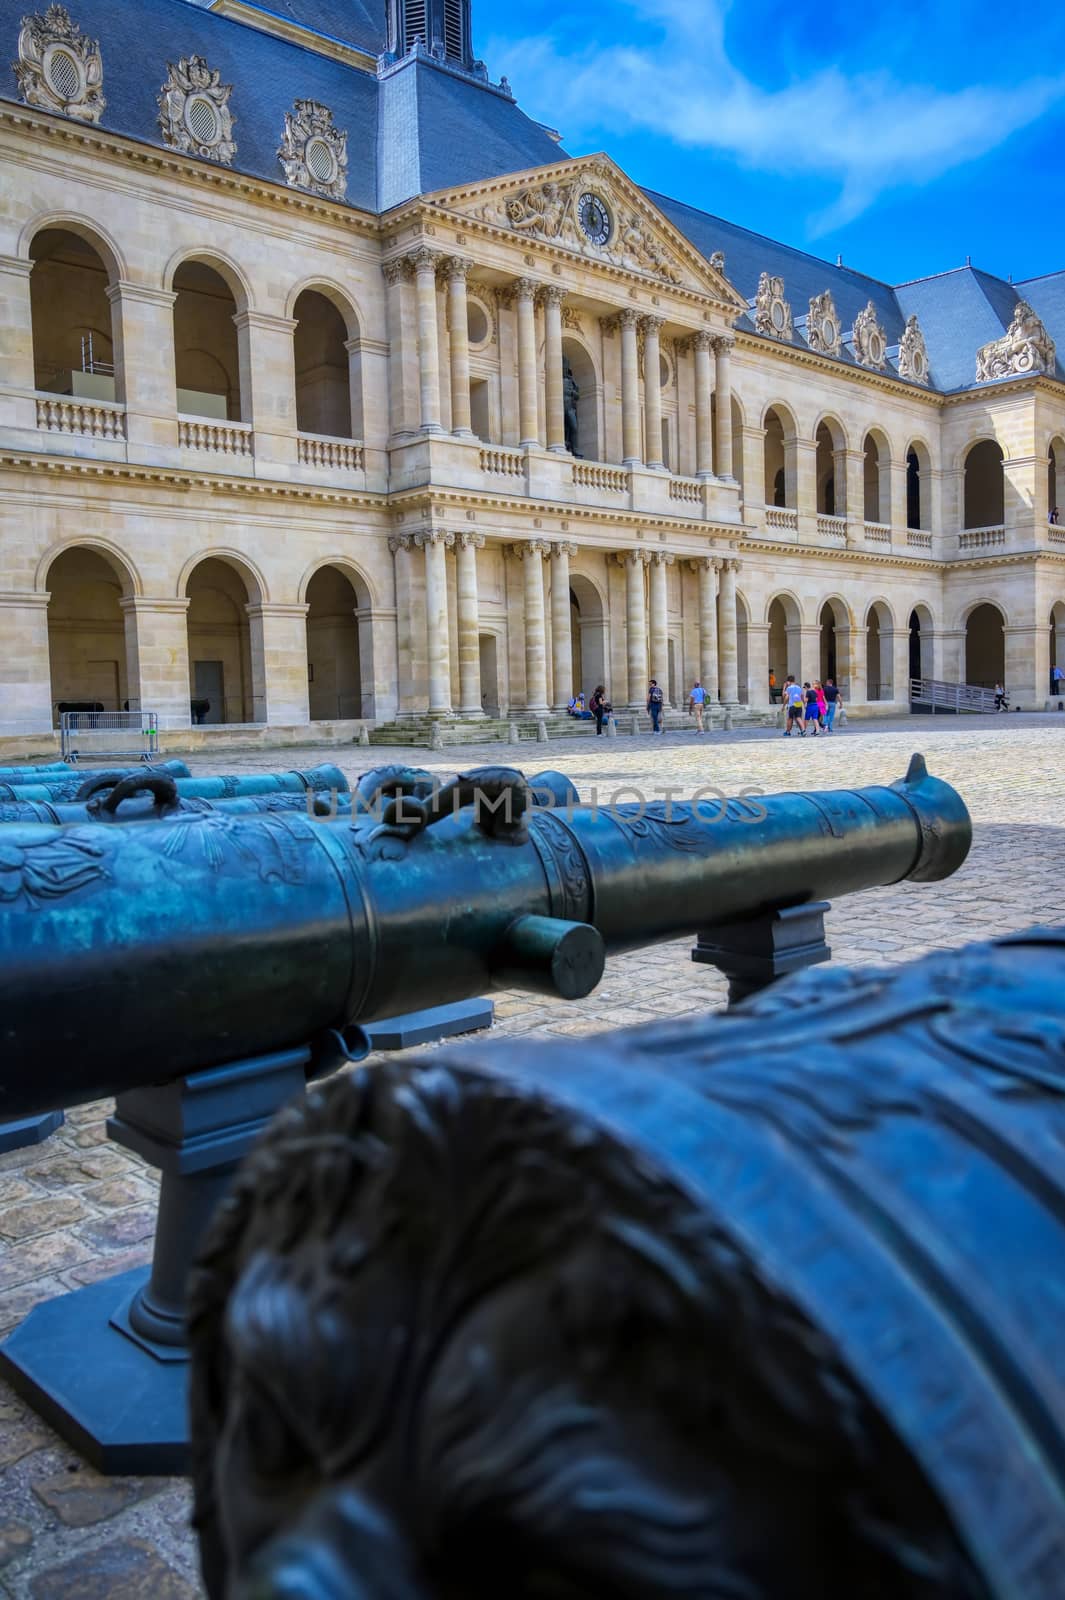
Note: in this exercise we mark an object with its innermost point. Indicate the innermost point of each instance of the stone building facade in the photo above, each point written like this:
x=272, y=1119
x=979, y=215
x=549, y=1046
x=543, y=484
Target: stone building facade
x=332, y=391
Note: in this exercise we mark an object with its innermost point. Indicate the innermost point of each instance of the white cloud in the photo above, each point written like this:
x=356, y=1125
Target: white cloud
x=868, y=131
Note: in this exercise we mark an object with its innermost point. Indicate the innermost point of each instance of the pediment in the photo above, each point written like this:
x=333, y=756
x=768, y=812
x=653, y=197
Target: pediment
x=589, y=207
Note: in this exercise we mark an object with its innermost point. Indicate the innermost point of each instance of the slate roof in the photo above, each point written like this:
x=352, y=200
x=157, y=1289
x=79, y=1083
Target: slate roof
x=418, y=126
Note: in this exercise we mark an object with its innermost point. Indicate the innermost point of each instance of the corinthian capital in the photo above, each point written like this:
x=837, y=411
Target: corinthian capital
x=423, y=259
x=704, y=564
x=661, y=558
x=563, y=547
x=400, y=541
x=530, y=549
x=430, y=536
x=552, y=294
x=628, y=318
x=469, y=541
x=398, y=269
x=652, y=324
x=631, y=558
x=703, y=340
x=723, y=343
x=455, y=267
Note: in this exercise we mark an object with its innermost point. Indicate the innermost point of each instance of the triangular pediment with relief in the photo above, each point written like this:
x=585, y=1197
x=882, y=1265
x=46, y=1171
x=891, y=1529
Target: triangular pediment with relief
x=588, y=206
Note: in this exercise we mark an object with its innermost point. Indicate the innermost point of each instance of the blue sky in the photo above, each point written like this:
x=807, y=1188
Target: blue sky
x=903, y=137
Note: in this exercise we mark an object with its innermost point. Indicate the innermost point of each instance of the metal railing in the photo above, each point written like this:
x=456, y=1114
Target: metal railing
x=955, y=697
x=109, y=733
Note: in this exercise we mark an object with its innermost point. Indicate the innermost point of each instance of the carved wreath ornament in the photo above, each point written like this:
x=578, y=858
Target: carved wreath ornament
x=870, y=341
x=772, y=313
x=314, y=153
x=913, y=357
x=823, y=325
x=58, y=68
x=194, y=112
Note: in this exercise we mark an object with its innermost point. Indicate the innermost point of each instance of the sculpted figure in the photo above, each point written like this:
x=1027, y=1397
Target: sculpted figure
x=763, y=1306
x=570, y=395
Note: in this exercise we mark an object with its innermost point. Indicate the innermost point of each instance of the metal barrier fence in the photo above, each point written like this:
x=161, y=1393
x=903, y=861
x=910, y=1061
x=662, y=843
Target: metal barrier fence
x=109, y=733
x=935, y=695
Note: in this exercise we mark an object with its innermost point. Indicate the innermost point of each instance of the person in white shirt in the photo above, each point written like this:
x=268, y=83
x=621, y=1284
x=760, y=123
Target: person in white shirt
x=696, y=701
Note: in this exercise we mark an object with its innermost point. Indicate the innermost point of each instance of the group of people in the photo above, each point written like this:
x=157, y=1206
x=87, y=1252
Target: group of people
x=600, y=708
x=810, y=707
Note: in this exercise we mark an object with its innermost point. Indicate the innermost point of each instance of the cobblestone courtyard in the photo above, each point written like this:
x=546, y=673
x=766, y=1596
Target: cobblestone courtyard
x=77, y=1209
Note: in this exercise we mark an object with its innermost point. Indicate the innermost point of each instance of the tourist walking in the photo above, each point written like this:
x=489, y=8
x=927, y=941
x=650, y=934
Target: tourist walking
x=809, y=694
x=600, y=708
x=793, y=704
x=833, y=699
x=696, y=701
x=654, y=704
x=822, y=704
x=1056, y=676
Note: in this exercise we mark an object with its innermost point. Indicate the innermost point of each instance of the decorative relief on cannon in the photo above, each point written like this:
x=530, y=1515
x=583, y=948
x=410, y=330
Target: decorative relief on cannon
x=869, y=339
x=772, y=313
x=194, y=113
x=823, y=330
x=58, y=68
x=913, y=357
x=314, y=152
x=1025, y=347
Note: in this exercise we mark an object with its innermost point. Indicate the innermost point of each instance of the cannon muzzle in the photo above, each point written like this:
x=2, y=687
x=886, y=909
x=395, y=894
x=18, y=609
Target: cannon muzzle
x=266, y=932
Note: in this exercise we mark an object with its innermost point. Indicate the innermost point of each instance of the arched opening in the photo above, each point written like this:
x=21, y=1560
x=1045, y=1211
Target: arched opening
x=879, y=644
x=326, y=384
x=220, y=658
x=877, y=489
x=588, y=635
x=580, y=401
x=985, y=647
x=86, y=633
x=1056, y=481
x=834, y=623
x=1057, y=648
x=918, y=479
x=920, y=642
x=779, y=458
x=984, y=490
x=73, y=340
x=785, y=639
x=831, y=483
x=334, y=660
x=206, y=347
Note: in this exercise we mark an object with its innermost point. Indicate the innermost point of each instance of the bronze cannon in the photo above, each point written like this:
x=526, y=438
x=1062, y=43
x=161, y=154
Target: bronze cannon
x=765, y=1305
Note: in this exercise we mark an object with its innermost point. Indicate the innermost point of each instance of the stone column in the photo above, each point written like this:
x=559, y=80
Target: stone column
x=809, y=636
x=17, y=409
x=413, y=682
x=528, y=414
x=25, y=674
x=403, y=392
x=435, y=542
x=726, y=632
x=556, y=413
x=630, y=390
x=268, y=384
x=758, y=664
x=659, y=561
x=279, y=663
x=456, y=270
x=855, y=462
x=142, y=321
x=634, y=562
x=706, y=567
x=469, y=619
x=531, y=553
x=704, y=443
x=561, y=625
x=652, y=392
x=428, y=345
x=157, y=657
x=723, y=410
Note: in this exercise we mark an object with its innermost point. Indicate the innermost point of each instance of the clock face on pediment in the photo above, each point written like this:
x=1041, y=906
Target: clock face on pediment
x=594, y=219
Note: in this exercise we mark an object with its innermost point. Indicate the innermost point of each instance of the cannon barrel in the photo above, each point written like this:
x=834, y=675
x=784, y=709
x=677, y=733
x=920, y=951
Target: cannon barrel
x=68, y=782
x=757, y=1304
x=262, y=933
x=32, y=774
x=135, y=805
x=227, y=786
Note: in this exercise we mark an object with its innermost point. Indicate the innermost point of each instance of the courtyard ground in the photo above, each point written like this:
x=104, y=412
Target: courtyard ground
x=77, y=1208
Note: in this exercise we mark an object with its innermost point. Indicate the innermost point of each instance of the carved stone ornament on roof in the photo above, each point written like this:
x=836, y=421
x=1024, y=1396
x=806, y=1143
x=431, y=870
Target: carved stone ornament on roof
x=584, y=216
x=870, y=341
x=717, y=261
x=194, y=112
x=58, y=68
x=313, y=152
x=823, y=331
x=772, y=313
x=1026, y=346
x=913, y=357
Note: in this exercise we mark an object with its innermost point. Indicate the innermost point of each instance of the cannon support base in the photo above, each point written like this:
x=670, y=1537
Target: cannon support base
x=24, y=1131
x=756, y=952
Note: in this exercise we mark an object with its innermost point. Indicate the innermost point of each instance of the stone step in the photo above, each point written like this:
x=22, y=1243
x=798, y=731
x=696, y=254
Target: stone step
x=417, y=731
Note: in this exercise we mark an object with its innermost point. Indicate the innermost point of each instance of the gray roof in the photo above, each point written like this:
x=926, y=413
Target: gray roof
x=357, y=22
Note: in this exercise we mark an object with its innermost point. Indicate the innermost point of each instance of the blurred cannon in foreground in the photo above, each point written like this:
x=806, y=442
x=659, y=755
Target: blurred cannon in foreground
x=83, y=786
x=203, y=966
x=759, y=1305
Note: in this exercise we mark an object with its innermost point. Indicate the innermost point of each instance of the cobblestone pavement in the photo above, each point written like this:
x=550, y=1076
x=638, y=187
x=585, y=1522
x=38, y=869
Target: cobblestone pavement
x=77, y=1209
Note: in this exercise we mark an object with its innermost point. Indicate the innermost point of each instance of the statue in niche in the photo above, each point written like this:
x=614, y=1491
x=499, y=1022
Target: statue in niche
x=570, y=395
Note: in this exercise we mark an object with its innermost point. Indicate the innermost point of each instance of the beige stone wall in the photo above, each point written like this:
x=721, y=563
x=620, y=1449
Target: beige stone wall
x=310, y=323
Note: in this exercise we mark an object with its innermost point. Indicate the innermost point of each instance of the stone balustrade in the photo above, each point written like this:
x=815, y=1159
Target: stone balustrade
x=222, y=438
x=689, y=490
x=97, y=419
x=981, y=538
x=782, y=517
x=594, y=475
x=835, y=528
x=878, y=532
x=321, y=450
x=918, y=540
x=506, y=463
